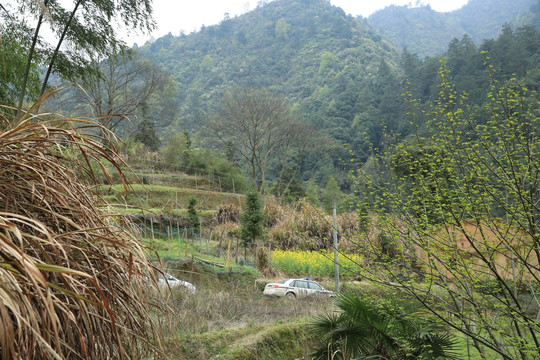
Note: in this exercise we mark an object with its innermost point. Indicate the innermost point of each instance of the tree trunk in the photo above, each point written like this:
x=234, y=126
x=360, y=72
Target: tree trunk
x=30, y=57
x=60, y=41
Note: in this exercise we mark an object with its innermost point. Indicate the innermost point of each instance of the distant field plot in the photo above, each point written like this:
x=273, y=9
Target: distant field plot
x=315, y=263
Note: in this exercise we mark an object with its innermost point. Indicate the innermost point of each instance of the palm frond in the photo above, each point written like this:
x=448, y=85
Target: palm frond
x=364, y=329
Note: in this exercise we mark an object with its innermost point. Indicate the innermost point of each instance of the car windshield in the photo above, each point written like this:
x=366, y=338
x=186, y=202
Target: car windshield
x=283, y=281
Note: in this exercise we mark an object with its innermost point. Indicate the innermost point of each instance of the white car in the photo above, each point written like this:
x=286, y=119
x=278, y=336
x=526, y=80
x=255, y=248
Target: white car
x=296, y=288
x=173, y=282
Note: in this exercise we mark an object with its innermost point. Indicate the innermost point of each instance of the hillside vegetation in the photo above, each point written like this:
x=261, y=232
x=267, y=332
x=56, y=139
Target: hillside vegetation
x=426, y=32
x=335, y=72
x=262, y=148
x=324, y=62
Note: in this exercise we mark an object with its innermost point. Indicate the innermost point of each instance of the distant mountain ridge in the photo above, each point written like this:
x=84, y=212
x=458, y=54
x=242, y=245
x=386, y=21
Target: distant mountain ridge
x=426, y=32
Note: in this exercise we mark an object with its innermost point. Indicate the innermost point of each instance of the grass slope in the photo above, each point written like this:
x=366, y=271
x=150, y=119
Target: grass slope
x=165, y=198
x=284, y=339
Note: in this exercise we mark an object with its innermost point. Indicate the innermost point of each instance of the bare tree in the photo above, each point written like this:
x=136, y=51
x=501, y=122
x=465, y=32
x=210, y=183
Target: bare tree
x=299, y=140
x=121, y=87
x=257, y=123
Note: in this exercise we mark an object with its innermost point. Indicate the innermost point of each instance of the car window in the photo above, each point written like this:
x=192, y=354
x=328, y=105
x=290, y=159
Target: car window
x=315, y=286
x=283, y=281
x=301, y=284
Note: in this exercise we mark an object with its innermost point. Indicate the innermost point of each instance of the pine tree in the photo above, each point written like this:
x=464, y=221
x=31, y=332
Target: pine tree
x=331, y=194
x=313, y=192
x=146, y=134
x=252, y=220
x=193, y=216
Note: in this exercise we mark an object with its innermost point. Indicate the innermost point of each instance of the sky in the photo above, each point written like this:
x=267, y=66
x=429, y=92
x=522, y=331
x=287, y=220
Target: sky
x=176, y=16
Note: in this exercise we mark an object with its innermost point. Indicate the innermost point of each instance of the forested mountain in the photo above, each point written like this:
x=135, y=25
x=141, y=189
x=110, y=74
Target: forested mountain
x=331, y=67
x=335, y=72
x=423, y=31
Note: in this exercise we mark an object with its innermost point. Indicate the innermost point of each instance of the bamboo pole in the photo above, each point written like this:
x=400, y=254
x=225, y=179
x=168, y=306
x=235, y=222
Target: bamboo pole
x=336, y=258
x=200, y=239
x=178, y=234
x=268, y=270
x=169, y=240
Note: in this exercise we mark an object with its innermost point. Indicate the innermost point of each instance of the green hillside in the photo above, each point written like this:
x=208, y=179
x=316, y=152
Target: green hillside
x=424, y=31
x=324, y=62
x=334, y=70
x=421, y=30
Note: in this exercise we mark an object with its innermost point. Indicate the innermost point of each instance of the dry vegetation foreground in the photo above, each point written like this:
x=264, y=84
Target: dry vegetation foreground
x=71, y=275
x=229, y=318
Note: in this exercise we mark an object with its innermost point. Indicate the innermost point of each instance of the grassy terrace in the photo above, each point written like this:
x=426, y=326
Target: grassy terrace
x=163, y=198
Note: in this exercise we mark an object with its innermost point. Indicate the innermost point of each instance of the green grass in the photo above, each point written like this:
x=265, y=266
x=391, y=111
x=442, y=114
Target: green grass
x=176, y=248
x=122, y=209
x=166, y=198
x=466, y=350
x=281, y=340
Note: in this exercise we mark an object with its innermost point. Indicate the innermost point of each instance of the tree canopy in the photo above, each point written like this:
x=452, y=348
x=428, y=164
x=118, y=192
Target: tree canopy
x=257, y=123
x=460, y=208
x=78, y=29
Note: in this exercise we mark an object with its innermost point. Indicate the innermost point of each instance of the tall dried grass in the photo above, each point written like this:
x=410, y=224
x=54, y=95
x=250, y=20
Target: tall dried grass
x=226, y=213
x=233, y=307
x=275, y=212
x=71, y=276
x=308, y=227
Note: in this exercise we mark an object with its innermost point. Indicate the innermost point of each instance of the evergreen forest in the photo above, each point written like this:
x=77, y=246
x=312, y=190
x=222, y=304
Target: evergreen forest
x=336, y=73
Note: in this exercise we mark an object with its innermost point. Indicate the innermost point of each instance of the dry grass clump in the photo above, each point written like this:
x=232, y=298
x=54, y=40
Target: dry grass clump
x=349, y=226
x=304, y=226
x=225, y=232
x=226, y=213
x=308, y=227
x=71, y=276
x=235, y=306
x=274, y=212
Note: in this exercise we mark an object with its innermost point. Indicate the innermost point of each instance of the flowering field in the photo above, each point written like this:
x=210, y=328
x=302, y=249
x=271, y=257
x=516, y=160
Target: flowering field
x=312, y=263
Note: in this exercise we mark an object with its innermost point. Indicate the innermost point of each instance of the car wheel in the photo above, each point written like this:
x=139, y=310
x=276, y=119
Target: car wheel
x=290, y=295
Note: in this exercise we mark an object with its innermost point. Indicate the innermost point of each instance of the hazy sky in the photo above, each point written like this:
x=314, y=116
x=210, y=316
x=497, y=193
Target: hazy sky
x=181, y=15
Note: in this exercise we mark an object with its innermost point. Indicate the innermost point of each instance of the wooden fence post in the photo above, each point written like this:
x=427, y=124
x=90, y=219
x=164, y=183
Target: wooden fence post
x=152, y=232
x=228, y=254
x=268, y=270
x=185, y=240
x=169, y=240
x=178, y=234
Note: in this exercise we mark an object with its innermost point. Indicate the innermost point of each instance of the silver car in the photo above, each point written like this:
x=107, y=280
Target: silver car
x=296, y=288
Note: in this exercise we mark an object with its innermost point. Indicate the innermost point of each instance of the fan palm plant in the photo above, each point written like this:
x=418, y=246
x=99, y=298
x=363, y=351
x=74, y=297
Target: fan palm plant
x=71, y=275
x=365, y=330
